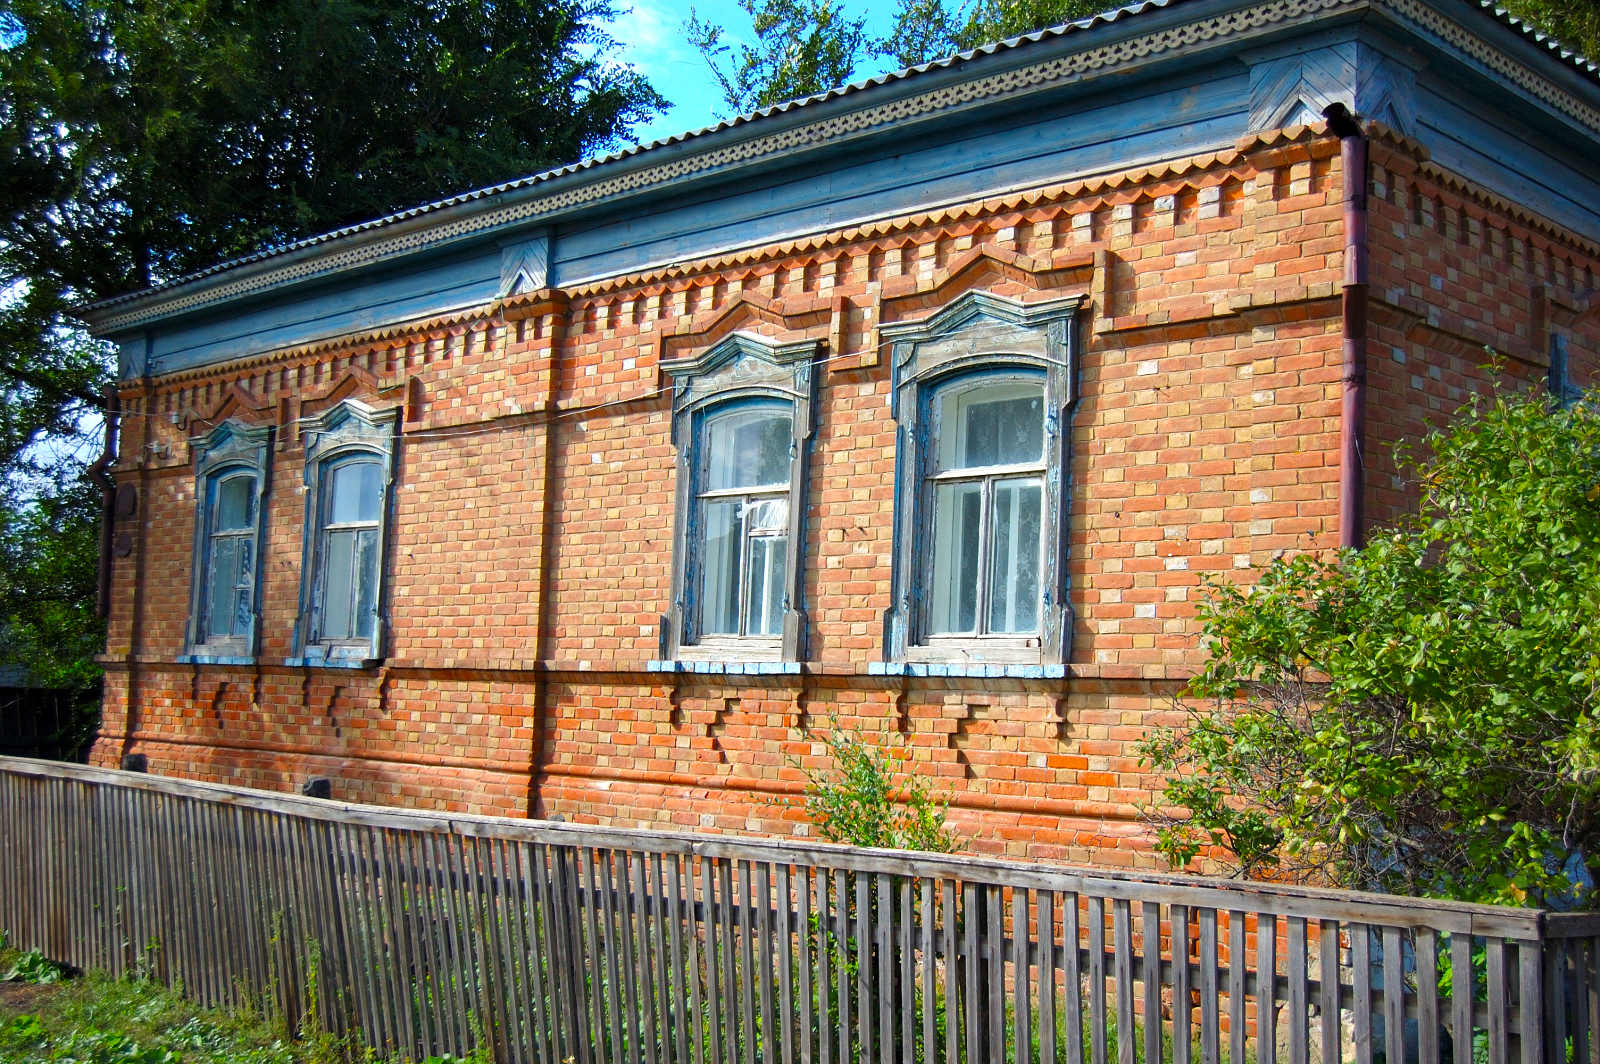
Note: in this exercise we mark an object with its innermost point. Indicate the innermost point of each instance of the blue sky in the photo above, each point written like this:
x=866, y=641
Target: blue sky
x=652, y=38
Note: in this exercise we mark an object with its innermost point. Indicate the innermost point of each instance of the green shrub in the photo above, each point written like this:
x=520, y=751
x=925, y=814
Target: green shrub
x=863, y=800
x=1418, y=716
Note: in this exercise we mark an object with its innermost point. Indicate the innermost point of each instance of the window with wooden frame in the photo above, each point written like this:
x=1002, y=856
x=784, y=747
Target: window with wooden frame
x=349, y=471
x=1562, y=388
x=230, y=491
x=982, y=395
x=742, y=427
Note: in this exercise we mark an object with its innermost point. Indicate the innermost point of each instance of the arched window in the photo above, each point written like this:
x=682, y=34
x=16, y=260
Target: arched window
x=742, y=424
x=230, y=492
x=987, y=486
x=350, y=450
x=230, y=558
x=744, y=521
x=345, y=600
x=983, y=397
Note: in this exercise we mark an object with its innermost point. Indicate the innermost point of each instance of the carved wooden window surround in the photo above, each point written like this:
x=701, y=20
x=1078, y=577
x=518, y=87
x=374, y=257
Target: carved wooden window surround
x=990, y=367
x=231, y=477
x=740, y=514
x=349, y=476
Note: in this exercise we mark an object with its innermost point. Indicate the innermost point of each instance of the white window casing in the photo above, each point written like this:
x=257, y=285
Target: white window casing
x=232, y=473
x=742, y=427
x=983, y=391
x=349, y=477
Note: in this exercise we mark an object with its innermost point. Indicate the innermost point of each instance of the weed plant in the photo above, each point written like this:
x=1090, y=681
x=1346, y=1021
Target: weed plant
x=98, y=1019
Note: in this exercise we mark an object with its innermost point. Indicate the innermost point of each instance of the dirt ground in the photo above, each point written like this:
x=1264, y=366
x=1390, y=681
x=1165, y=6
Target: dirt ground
x=19, y=998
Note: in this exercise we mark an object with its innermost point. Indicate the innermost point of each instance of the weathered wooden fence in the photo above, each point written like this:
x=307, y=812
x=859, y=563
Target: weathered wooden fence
x=554, y=942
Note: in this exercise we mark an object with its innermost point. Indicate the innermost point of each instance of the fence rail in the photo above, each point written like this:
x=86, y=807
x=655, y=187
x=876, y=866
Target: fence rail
x=552, y=942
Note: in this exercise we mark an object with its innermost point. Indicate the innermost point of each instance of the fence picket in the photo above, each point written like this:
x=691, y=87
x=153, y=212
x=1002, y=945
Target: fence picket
x=606, y=946
x=1151, y=912
x=1266, y=988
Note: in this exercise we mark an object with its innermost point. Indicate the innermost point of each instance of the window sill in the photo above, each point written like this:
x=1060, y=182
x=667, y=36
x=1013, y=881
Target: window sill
x=731, y=668
x=314, y=662
x=976, y=651
x=215, y=659
x=966, y=669
x=732, y=650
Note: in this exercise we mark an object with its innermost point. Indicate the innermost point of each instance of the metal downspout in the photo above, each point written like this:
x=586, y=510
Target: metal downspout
x=108, y=500
x=1353, y=420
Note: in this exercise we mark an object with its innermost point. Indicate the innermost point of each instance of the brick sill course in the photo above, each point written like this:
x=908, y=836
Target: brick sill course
x=777, y=670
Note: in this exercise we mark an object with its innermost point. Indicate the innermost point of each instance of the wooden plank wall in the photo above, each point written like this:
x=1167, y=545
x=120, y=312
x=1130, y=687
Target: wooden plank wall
x=555, y=942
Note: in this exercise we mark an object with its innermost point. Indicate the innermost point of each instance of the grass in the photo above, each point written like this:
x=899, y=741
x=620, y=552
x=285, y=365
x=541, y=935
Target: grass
x=49, y=1018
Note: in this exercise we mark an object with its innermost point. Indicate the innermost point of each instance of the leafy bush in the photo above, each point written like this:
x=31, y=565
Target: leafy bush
x=863, y=801
x=1418, y=716
x=34, y=967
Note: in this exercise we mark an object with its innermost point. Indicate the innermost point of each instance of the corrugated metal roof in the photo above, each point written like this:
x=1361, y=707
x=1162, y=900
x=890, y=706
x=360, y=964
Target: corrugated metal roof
x=611, y=158
x=1555, y=47
x=1498, y=10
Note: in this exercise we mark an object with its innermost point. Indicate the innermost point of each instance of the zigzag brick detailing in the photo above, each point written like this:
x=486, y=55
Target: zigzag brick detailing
x=1134, y=224
x=429, y=934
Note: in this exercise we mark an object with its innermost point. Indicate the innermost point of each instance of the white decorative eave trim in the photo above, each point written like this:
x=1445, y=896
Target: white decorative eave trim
x=367, y=244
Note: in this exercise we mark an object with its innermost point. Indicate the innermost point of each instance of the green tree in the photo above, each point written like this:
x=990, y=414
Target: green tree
x=1418, y=716
x=806, y=46
x=802, y=47
x=142, y=139
x=1575, y=23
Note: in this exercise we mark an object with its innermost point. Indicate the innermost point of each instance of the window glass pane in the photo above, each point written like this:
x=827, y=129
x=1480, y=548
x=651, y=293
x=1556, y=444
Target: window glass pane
x=719, y=592
x=767, y=515
x=353, y=494
x=1014, y=563
x=993, y=424
x=224, y=579
x=243, y=587
x=768, y=566
x=235, y=504
x=957, y=531
x=339, y=565
x=366, y=578
x=747, y=449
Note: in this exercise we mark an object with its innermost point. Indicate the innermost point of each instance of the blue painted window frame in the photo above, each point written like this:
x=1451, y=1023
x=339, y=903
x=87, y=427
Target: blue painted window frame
x=740, y=371
x=231, y=449
x=349, y=431
x=979, y=336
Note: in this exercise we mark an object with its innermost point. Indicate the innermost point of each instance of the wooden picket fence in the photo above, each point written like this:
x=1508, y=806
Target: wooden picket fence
x=550, y=942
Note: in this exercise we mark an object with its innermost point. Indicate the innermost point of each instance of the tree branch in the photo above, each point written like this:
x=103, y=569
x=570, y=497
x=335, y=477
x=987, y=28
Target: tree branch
x=34, y=380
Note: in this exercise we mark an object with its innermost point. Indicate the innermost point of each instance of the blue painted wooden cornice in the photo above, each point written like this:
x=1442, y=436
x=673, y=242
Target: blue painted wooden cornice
x=1162, y=79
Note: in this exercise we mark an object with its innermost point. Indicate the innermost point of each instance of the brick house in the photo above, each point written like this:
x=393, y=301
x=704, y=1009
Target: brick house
x=923, y=405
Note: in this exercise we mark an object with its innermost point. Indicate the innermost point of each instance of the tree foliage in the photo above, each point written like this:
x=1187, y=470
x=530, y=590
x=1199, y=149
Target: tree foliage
x=804, y=47
x=801, y=47
x=1575, y=23
x=1418, y=716
x=143, y=139
x=864, y=799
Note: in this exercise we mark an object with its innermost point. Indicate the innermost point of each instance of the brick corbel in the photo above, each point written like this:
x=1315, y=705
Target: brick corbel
x=1412, y=318
x=236, y=401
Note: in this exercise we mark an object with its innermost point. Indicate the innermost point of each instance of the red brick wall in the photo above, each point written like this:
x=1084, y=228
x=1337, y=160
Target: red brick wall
x=531, y=553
